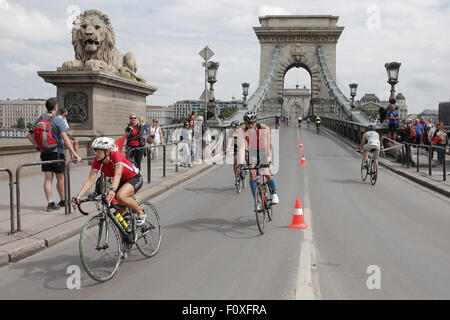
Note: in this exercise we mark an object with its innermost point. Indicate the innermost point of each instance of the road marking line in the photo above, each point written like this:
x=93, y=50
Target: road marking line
x=305, y=289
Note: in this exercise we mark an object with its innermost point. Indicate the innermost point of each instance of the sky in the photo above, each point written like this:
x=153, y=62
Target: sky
x=166, y=36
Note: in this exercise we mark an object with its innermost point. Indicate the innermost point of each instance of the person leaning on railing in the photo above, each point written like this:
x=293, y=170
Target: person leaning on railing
x=442, y=142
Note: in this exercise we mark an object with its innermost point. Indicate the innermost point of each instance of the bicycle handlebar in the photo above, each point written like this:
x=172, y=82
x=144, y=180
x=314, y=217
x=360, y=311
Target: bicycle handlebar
x=92, y=197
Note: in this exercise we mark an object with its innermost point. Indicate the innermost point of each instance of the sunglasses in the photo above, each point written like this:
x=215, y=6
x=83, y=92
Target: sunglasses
x=97, y=150
x=133, y=118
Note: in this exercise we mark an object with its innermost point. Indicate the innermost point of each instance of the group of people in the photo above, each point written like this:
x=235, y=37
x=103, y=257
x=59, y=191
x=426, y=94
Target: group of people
x=50, y=135
x=427, y=133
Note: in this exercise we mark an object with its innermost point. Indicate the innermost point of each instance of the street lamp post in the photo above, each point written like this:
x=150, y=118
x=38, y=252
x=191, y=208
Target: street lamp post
x=212, y=73
x=245, y=87
x=392, y=72
x=353, y=87
x=206, y=53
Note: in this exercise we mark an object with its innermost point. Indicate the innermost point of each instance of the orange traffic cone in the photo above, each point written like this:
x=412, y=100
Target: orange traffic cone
x=301, y=145
x=303, y=162
x=298, y=221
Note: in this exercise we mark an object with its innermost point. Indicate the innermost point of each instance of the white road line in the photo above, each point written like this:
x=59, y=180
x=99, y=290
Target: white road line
x=306, y=290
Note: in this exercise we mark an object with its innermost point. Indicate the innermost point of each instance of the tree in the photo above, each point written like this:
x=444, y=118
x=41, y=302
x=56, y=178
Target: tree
x=21, y=123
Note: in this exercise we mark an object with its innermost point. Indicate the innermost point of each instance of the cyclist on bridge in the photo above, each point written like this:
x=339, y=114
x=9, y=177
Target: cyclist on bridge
x=257, y=139
x=371, y=142
x=126, y=177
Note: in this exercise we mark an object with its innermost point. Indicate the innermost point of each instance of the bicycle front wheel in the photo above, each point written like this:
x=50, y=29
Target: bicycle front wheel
x=100, y=248
x=260, y=214
x=364, y=170
x=149, y=235
x=373, y=173
x=237, y=183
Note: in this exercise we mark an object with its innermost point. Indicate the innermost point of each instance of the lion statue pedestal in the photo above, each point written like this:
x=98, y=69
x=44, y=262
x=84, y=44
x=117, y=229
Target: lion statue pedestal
x=100, y=88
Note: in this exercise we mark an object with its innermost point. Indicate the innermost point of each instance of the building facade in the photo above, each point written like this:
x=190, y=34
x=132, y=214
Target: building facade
x=444, y=113
x=370, y=103
x=164, y=114
x=12, y=110
x=296, y=103
x=184, y=108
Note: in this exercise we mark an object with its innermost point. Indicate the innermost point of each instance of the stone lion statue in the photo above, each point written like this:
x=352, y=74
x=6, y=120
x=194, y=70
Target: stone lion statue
x=94, y=42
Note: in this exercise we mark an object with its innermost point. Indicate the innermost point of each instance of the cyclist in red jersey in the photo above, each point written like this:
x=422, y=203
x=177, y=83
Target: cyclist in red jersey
x=126, y=178
x=257, y=138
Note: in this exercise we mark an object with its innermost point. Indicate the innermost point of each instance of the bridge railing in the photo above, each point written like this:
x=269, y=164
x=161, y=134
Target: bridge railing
x=354, y=131
x=18, y=170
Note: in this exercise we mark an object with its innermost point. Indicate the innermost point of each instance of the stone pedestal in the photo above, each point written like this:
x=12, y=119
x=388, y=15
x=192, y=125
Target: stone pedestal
x=99, y=103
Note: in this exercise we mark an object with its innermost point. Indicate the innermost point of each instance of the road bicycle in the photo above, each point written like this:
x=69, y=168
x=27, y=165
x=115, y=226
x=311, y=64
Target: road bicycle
x=104, y=240
x=370, y=168
x=263, y=197
x=318, y=127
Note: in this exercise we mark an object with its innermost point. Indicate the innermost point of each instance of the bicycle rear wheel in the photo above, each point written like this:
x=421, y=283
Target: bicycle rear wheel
x=373, y=172
x=364, y=170
x=100, y=248
x=260, y=214
x=149, y=235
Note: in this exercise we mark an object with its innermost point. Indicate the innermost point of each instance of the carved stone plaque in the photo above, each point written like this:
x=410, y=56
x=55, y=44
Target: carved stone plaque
x=77, y=106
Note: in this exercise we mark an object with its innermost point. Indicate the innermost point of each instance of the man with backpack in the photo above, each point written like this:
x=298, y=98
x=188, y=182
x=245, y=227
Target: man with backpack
x=49, y=136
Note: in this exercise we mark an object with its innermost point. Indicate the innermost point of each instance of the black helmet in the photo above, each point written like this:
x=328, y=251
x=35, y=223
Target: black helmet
x=235, y=124
x=250, y=116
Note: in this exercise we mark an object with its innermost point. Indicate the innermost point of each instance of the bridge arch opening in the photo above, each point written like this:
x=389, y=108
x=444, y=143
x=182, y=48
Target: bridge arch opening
x=296, y=91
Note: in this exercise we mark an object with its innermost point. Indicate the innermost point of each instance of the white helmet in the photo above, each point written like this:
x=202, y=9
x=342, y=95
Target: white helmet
x=104, y=143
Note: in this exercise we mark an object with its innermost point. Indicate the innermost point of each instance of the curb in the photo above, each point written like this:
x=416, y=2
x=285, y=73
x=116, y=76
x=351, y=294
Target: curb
x=25, y=247
x=383, y=163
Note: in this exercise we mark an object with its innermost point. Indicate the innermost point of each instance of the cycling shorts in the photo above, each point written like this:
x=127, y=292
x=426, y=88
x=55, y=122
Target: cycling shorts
x=374, y=148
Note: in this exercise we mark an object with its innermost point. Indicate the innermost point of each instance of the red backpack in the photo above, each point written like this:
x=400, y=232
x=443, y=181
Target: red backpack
x=43, y=137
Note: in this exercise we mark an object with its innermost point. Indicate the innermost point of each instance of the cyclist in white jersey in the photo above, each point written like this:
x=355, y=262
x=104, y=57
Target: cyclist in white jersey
x=371, y=142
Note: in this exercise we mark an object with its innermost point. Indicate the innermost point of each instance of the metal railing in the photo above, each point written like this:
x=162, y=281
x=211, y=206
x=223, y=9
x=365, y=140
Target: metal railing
x=430, y=150
x=11, y=197
x=19, y=168
x=67, y=184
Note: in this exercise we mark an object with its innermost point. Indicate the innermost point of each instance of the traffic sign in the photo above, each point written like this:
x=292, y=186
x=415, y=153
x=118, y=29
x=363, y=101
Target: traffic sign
x=206, y=53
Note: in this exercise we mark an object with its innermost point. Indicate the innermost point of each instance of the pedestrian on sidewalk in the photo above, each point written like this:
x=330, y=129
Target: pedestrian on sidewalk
x=442, y=142
x=59, y=133
x=393, y=117
x=185, y=142
x=135, y=141
x=409, y=134
x=156, y=138
x=63, y=112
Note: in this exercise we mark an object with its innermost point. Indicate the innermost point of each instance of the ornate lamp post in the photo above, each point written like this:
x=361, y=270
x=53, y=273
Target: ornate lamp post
x=353, y=87
x=392, y=72
x=212, y=68
x=245, y=87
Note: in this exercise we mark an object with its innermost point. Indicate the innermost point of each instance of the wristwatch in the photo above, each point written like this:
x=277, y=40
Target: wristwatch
x=115, y=190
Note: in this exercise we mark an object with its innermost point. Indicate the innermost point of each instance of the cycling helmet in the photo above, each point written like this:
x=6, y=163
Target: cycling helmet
x=104, y=143
x=235, y=124
x=250, y=116
x=370, y=127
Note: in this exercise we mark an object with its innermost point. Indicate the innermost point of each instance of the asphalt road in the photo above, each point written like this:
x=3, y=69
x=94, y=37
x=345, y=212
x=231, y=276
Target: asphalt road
x=212, y=249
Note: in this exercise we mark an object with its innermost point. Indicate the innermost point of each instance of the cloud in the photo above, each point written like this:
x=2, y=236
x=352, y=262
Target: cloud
x=18, y=23
x=22, y=70
x=268, y=10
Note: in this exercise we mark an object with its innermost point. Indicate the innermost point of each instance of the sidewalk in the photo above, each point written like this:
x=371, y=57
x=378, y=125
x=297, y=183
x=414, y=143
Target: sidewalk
x=41, y=229
x=434, y=182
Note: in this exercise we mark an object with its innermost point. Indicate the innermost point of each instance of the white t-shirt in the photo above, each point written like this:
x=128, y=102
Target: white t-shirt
x=373, y=138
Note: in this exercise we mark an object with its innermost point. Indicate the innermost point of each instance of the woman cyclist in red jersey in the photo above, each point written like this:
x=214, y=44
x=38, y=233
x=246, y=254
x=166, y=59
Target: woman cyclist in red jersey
x=126, y=178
